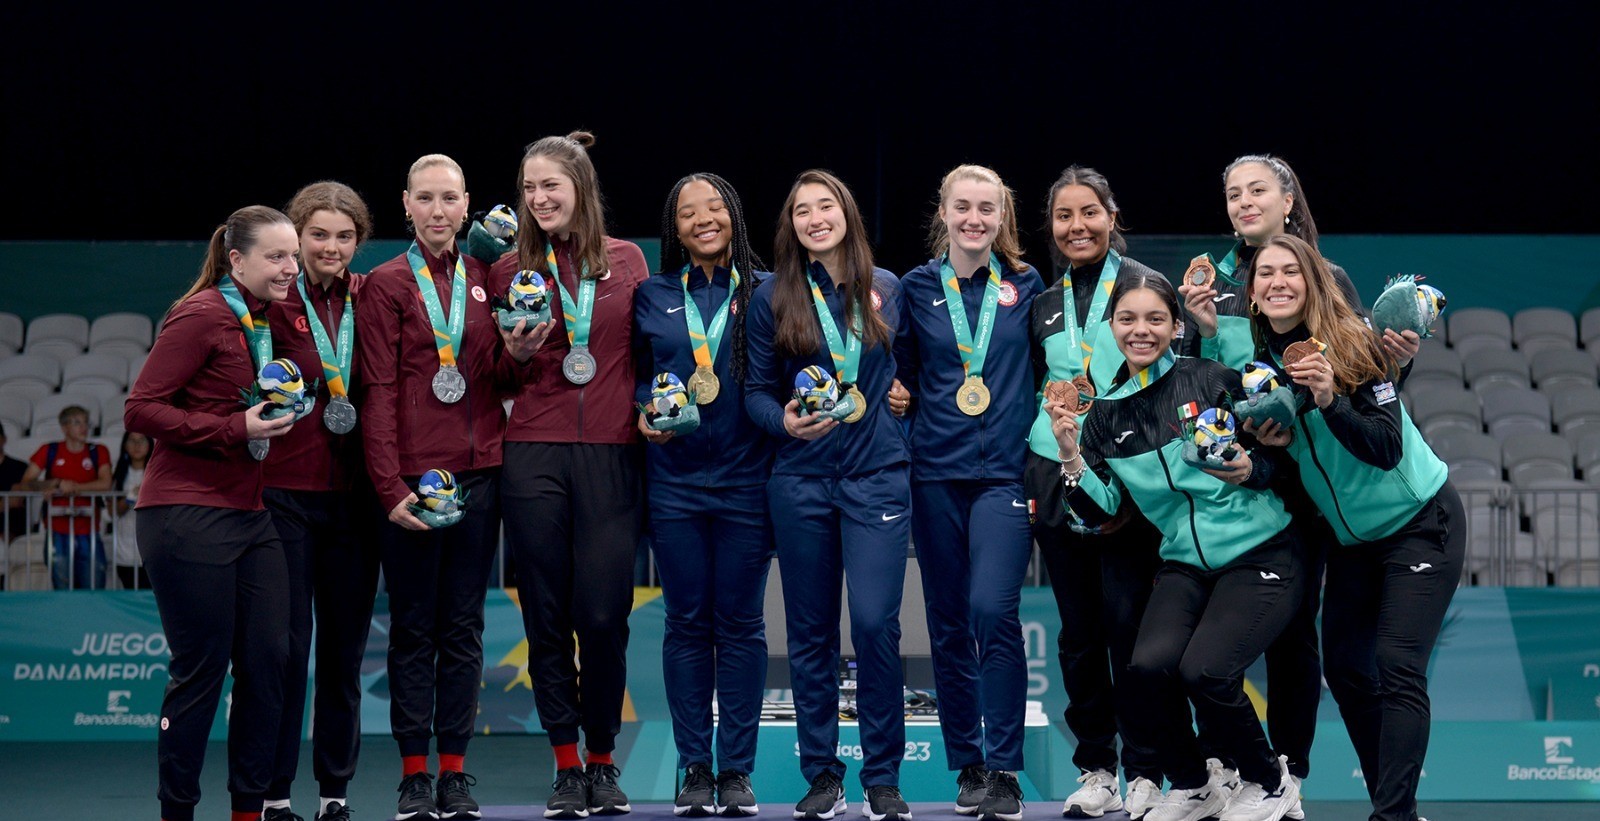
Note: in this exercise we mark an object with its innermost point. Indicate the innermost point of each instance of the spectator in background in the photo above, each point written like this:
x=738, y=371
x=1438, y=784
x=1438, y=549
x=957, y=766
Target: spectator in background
x=11, y=473
x=127, y=477
x=62, y=470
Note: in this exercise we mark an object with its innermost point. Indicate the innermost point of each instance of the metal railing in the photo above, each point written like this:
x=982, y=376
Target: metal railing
x=28, y=553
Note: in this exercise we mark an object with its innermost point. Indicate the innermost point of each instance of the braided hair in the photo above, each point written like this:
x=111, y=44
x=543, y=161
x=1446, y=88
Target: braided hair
x=674, y=256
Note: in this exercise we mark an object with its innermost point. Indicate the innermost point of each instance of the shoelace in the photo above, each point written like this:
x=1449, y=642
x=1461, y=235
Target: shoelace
x=698, y=778
x=456, y=784
x=604, y=774
x=1004, y=786
x=828, y=782
x=972, y=778
x=416, y=785
x=570, y=781
x=887, y=793
x=729, y=781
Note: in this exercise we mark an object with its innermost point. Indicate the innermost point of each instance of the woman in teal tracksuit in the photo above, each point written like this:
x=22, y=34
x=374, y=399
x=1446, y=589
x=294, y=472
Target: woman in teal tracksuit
x=1229, y=581
x=1399, y=553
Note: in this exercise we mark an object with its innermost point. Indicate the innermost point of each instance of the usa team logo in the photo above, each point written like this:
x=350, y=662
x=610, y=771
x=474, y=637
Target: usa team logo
x=1008, y=294
x=877, y=301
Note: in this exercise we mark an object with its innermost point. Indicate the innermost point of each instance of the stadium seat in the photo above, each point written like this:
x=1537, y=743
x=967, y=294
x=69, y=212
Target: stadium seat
x=1435, y=410
x=1508, y=411
x=1493, y=367
x=1488, y=523
x=1589, y=328
x=100, y=375
x=1588, y=456
x=26, y=565
x=30, y=376
x=1435, y=361
x=1476, y=329
x=1556, y=370
x=47, y=412
x=16, y=411
x=121, y=327
x=1538, y=329
x=1533, y=457
x=1576, y=412
x=1475, y=454
x=111, y=410
x=10, y=332
x=62, y=336
x=134, y=366
x=111, y=432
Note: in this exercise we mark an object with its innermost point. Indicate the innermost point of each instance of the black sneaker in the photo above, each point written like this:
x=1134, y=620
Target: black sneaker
x=605, y=797
x=734, y=794
x=569, y=796
x=340, y=812
x=416, y=798
x=455, y=797
x=279, y=814
x=885, y=804
x=1003, y=800
x=824, y=800
x=697, y=798
x=971, y=785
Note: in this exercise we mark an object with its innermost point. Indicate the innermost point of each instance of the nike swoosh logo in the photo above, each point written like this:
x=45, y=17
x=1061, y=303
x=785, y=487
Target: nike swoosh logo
x=674, y=310
x=1015, y=503
x=1270, y=576
x=938, y=302
x=1125, y=434
x=1220, y=297
x=888, y=518
x=1053, y=318
x=1418, y=568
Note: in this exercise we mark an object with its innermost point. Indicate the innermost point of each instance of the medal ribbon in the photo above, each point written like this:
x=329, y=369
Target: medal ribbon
x=1142, y=379
x=448, y=340
x=335, y=359
x=577, y=326
x=707, y=341
x=259, y=333
x=973, y=350
x=847, y=365
x=1227, y=265
x=1081, y=338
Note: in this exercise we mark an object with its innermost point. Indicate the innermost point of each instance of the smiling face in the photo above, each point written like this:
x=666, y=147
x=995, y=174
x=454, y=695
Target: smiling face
x=1257, y=203
x=550, y=195
x=818, y=219
x=269, y=269
x=1080, y=225
x=1278, y=287
x=437, y=204
x=705, y=226
x=1143, y=327
x=972, y=214
x=327, y=244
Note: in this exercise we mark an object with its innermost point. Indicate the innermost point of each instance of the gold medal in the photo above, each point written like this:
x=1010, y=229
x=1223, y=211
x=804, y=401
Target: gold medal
x=705, y=386
x=972, y=397
x=861, y=405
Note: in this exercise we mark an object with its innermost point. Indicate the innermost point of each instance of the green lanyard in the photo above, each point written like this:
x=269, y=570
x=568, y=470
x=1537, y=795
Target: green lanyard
x=1081, y=339
x=577, y=326
x=335, y=360
x=707, y=341
x=1142, y=379
x=973, y=350
x=846, y=366
x=1227, y=265
x=448, y=339
x=259, y=333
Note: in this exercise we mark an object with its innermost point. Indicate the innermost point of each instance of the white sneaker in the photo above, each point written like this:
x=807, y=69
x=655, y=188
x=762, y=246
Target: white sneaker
x=1142, y=795
x=1297, y=812
x=1186, y=805
x=1222, y=779
x=1254, y=802
x=1097, y=796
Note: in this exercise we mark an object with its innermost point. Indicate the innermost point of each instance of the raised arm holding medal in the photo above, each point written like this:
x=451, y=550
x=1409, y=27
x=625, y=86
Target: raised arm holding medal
x=962, y=350
x=839, y=493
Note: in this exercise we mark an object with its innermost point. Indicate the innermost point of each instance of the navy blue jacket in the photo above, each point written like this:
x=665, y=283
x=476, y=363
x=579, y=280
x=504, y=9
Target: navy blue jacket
x=727, y=450
x=949, y=445
x=876, y=441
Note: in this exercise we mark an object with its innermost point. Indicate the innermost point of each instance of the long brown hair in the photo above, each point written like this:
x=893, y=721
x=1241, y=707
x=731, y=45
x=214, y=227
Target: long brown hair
x=571, y=153
x=1300, y=222
x=239, y=233
x=1006, y=244
x=1353, y=348
x=797, y=334
x=337, y=197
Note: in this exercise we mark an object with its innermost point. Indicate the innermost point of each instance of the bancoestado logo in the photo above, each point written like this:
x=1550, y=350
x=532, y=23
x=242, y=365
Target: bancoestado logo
x=1559, y=764
x=117, y=714
x=134, y=646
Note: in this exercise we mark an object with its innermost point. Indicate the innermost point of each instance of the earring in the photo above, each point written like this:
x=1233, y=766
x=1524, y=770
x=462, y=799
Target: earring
x=1255, y=310
x=1235, y=234
x=1285, y=219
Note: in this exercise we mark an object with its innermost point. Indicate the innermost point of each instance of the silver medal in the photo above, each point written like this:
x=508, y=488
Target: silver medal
x=449, y=385
x=579, y=366
x=339, y=416
x=259, y=448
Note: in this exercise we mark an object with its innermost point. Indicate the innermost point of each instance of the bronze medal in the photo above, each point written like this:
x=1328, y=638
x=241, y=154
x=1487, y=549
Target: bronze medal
x=1062, y=393
x=1085, y=393
x=861, y=405
x=705, y=385
x=973, y=396
x=1300, y=350
x=1201, y=273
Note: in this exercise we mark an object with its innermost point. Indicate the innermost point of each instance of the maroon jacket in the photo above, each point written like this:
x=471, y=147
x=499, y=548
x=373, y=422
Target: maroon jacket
x=601, y=412
x=405, y=429
x=187, y=399
x=311, y=457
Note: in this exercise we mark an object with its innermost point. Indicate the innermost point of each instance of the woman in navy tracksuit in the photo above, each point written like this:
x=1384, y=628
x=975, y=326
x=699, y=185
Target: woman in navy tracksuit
x=971, y=526
x=1397, y=553
x=707, y=492
x=839, y=495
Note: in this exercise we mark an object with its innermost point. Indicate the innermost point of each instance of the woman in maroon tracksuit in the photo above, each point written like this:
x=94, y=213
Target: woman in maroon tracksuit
x=571, y=488
x=214, y=559
x=436, y=367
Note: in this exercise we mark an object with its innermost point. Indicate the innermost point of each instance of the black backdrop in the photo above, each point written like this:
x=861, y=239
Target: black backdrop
x=1436, y=118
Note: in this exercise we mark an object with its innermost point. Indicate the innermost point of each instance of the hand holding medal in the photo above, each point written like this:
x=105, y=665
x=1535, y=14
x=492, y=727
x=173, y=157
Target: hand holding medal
x=1307, y=365
x=1064, y=423
x=1199, y=291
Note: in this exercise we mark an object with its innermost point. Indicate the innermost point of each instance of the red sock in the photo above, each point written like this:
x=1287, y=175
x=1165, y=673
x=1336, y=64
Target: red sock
x=245, y=816
x=451, y=763
x=598, y=758
x=413, y=764
x=567, y=756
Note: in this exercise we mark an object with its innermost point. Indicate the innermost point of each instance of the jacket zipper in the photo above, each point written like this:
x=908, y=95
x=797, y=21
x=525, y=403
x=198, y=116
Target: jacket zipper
x=1311, y=445
x=1194, y=531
